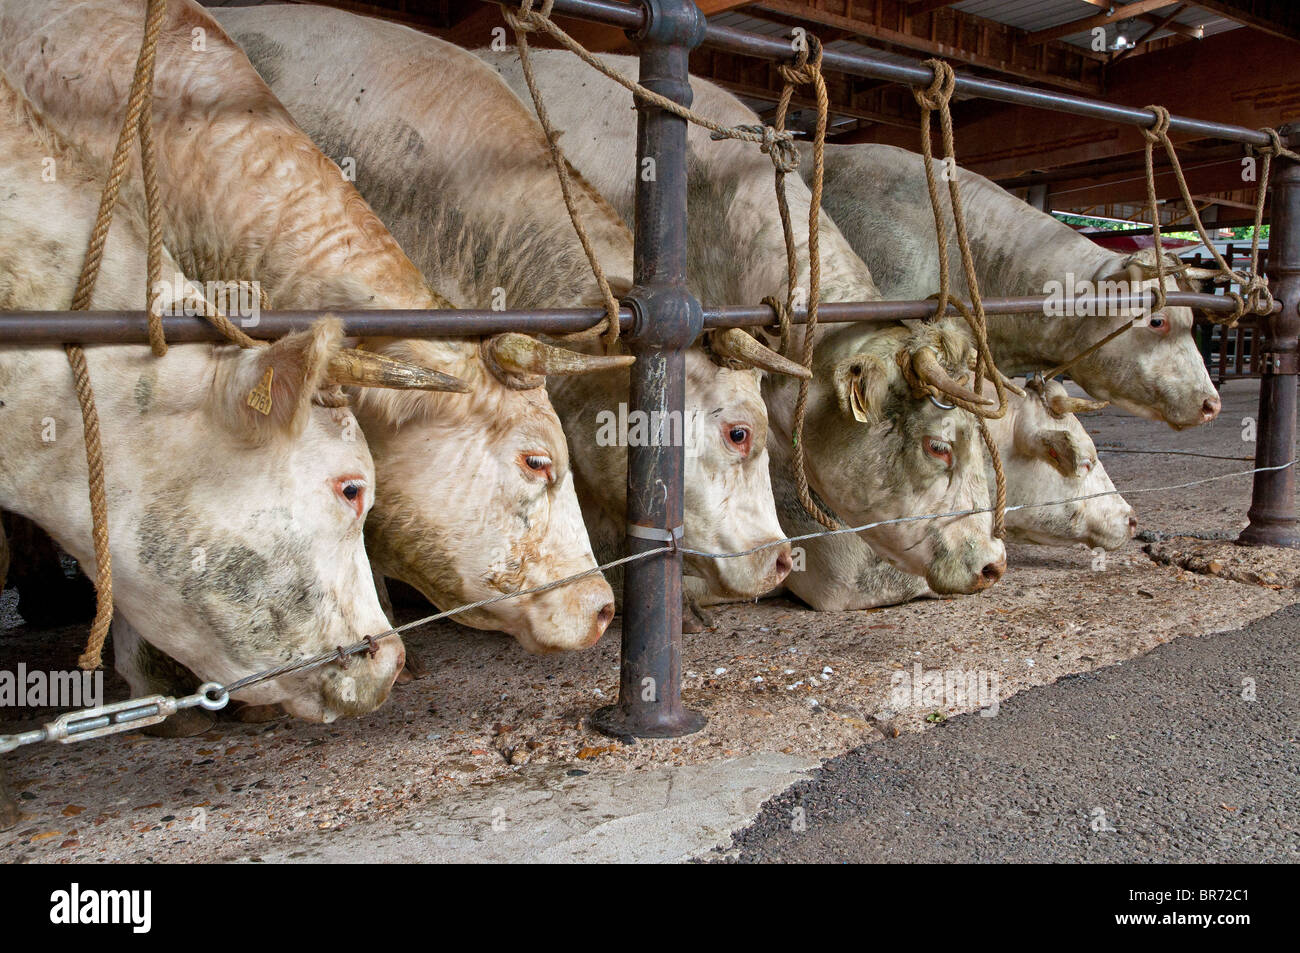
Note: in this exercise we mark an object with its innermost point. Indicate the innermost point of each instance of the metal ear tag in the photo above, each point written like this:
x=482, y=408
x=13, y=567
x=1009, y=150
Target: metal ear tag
x=259, y=398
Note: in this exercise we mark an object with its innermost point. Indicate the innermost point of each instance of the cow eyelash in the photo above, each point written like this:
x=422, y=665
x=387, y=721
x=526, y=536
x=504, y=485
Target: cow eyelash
x=539, y=463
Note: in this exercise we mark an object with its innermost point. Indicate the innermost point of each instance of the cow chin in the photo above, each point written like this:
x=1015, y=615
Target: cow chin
x=974, y=565
x=741, y=578
x=1111, y=528
x=564, y=619
x=356, y=688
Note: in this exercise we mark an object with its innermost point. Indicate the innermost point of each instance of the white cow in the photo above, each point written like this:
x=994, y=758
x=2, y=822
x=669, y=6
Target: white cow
x=236, y=536
x=1046, y=456
x=913, y=456
x=419, y=117
x=248, y=196
x=877, y=195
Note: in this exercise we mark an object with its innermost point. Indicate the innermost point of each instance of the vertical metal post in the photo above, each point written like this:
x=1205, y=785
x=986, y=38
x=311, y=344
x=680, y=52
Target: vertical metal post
x=1272, y=506
x=667, y=321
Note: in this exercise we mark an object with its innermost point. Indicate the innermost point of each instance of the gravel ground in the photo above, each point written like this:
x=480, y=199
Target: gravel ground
x=772, y=677
x=1157, y=759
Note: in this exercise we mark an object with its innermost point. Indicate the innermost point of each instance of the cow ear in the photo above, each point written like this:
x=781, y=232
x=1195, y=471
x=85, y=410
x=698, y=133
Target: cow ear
x=861, y=384
x=268, y=390
x=1064, y=451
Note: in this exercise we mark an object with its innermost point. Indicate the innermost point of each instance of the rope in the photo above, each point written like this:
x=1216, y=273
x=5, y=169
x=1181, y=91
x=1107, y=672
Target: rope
x=524, y=22
x=1254, y=297
x=937, y=97
x=773, y=141
x=806, y=70
x=137, y=123
x=769, y=140
x=139, y=120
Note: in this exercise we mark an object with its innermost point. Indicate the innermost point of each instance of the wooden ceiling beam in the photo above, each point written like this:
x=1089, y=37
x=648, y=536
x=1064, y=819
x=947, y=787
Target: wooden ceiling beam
x=1010, y=58
x=1127, y=11
x=1246, y=12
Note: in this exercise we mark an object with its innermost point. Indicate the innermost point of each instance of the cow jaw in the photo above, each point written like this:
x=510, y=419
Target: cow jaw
x=461, y=517
x=728, y=498
x=1049, y=457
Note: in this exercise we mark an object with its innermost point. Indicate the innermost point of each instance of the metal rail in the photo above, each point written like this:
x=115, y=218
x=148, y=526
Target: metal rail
x=864, y=64
x=131, y=327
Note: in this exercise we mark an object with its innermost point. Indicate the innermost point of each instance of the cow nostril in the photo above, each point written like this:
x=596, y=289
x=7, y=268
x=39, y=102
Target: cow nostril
x=992, y=572
x=605, y=616
x=783, y=563
x=1132, y=525
x=1210, y=407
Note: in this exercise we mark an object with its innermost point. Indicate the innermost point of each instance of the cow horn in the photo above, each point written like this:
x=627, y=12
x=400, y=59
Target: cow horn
x=737, y=345
x=1202, y=274
x=520, y=354
x=1060, y=405
x=368, y=369
x=929, y=369
x=1011, y=385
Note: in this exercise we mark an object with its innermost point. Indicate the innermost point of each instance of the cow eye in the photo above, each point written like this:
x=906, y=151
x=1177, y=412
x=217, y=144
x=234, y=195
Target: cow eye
x=739, y=437
x=352, y=491
x=537, y=465
x=1158, y=323
x=941, y=450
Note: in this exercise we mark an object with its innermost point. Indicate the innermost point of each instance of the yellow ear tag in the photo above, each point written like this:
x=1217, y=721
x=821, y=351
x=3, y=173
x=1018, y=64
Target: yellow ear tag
x=259, y=398
x=855, y=401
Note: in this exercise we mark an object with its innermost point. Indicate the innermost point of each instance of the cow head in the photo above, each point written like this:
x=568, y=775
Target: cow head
x=877, y=451
x=247, y=549
x=477, y=497
x=1047, y=455
x=729, y=505
x=1154, y=369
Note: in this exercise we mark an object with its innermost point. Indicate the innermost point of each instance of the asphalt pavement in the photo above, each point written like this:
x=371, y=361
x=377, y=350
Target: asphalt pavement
x=1188, y=754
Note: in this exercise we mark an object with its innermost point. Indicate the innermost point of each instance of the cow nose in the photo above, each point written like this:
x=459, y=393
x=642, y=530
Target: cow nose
x=603, y=618
x=1210, y=408
x=1132, y=525
x=991, y=573
x=783, y=564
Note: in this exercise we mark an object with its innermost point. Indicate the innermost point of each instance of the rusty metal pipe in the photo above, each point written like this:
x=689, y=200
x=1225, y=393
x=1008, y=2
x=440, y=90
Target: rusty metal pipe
x=667, y=319
x=865, y=64
x=1272, y=501
x=131, y=327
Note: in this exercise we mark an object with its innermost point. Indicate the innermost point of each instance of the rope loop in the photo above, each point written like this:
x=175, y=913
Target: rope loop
x=1276, y=145
x=1159, y=130
x=938, y=94
x=807, y=63
x=782, y=327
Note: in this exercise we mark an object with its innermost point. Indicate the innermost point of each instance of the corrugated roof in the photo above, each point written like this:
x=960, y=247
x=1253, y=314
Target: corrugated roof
x=1033, y=15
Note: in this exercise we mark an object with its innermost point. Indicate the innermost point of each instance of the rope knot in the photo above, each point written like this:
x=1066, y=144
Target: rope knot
x=782, y=327
x=524, y=19
x=939, y=93
x=1160, y=128
x=807, y=63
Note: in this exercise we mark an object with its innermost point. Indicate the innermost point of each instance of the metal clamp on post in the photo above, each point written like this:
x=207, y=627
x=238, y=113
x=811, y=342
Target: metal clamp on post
x=678, y=316
x=672, y=23
x=670, y=536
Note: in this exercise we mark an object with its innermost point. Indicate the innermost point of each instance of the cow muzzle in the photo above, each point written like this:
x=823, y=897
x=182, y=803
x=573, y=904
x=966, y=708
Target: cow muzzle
x=974, y=566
